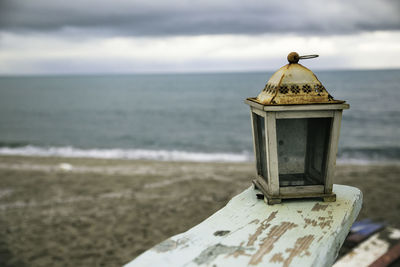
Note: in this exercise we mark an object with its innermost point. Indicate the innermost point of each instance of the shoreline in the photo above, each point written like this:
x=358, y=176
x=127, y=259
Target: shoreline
x=363, y=156
x=85, y=211
x=51, y=158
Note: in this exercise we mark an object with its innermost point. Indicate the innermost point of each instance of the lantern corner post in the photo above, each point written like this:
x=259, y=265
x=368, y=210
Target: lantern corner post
x=272, y=154
x=254, y=132
x=332, y=151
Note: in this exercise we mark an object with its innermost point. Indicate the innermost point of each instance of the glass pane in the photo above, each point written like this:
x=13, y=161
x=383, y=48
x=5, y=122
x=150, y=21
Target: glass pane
x=302, y=146
x=318, y=139
x=259, y=132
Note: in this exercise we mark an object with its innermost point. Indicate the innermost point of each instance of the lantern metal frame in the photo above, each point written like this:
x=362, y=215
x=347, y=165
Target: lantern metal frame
x=270, y=185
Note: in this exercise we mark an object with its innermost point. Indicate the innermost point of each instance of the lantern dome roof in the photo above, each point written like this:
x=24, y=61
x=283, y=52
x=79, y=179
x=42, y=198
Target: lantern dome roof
x=294, y=84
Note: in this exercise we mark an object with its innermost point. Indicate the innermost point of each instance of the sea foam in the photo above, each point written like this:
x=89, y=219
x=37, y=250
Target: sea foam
x=357, y=157
x=116, y=153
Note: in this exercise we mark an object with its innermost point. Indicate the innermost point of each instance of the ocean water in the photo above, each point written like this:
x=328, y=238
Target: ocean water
x=195, y=117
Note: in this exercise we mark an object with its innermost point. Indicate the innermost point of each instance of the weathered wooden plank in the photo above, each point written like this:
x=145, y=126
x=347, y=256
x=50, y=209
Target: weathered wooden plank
x=248, y=232
x=368, y=252
x=389, y=257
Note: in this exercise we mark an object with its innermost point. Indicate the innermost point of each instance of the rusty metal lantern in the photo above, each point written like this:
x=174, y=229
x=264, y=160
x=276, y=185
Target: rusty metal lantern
x=296, y=126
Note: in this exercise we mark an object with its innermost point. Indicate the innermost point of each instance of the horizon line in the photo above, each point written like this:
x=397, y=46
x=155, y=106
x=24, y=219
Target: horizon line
x=198, y=72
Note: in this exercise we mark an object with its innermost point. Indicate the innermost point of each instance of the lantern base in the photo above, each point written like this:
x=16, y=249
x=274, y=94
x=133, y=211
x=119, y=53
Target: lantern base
x=271, y=200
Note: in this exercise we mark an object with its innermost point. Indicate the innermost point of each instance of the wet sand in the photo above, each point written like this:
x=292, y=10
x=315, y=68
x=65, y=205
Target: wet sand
x=93, y=212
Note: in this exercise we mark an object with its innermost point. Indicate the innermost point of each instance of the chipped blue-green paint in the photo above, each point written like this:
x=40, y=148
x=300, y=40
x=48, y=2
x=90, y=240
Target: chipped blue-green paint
x=248, y=232
x=211, y=253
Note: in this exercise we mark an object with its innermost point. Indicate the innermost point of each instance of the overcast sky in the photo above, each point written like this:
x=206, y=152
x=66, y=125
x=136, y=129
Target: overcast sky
x=98, y=36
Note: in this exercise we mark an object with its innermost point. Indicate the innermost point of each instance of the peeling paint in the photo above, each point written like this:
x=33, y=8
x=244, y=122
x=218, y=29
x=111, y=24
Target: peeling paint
x=268, y=243
x=170, y=244
x=272, y=216
x=221, y=233
x=259, y=230
x=264, y=225
x=318, y=207
x=277, y=257
x=256, y=221
x=325, y=223
x=211, y=253
x=239, y=252
x=309, y=221
x=165, y=246
x=301, y=246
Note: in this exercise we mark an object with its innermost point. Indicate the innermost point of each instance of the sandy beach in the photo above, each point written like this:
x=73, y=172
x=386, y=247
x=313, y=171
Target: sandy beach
x=94, y=212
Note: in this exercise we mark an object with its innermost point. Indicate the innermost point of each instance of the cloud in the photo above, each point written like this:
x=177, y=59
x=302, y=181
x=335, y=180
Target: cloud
x=189, y=18
x=102, y=36
x=47, y=54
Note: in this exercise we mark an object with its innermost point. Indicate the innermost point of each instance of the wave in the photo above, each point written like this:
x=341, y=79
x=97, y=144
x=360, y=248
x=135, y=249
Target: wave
x=116, y=153
x=345, y=155
x=13, y=144
x=367, y=155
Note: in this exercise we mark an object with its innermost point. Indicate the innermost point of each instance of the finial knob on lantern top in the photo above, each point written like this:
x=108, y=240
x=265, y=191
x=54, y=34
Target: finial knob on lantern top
x=293, y=57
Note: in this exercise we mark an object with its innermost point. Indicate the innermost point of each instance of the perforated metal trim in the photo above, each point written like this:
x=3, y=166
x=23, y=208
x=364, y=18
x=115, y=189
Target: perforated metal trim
x=307, y=88
x=283, y=89
x=294, y=89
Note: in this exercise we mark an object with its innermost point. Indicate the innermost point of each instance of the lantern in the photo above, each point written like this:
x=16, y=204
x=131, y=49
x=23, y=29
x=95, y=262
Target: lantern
x=296, y=125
